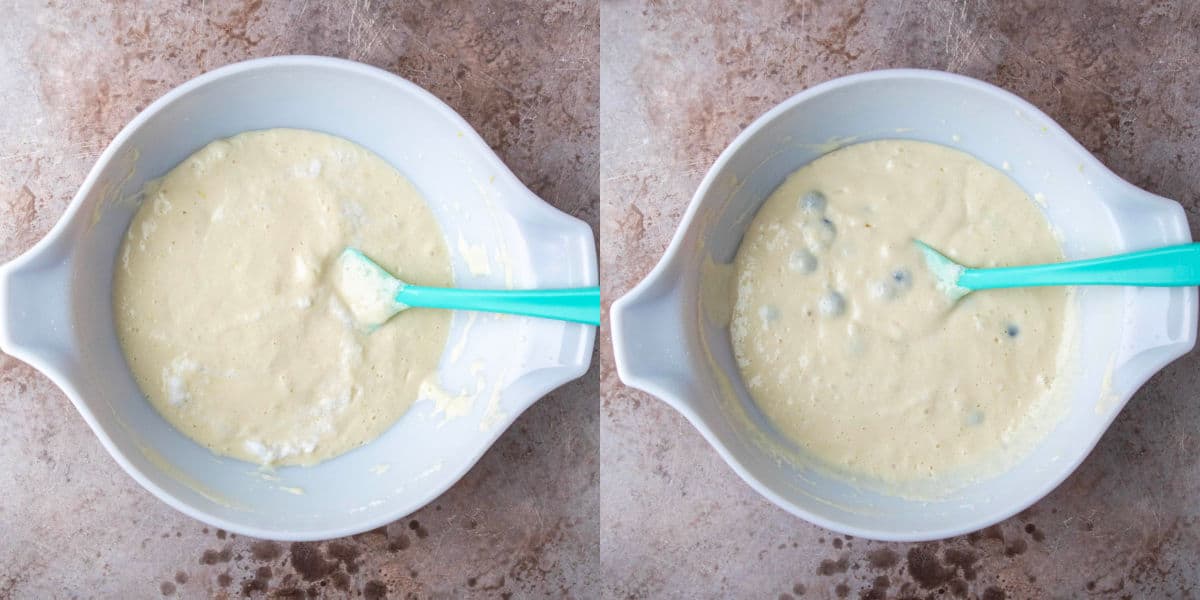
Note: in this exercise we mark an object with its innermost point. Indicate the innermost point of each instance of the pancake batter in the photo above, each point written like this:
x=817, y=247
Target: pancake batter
x=225, y=310
x=844, y=340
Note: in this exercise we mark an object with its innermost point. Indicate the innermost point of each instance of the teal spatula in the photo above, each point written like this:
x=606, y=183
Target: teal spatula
x=374, y=296
x=1172, y=266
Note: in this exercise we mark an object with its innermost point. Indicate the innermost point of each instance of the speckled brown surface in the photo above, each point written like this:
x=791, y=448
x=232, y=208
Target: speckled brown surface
x=678, y=81
x=524, y=521
x=628, y=501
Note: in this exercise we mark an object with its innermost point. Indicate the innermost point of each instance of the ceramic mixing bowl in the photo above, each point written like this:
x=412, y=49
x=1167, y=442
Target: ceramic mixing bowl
x=670, y=342
x=56, y=299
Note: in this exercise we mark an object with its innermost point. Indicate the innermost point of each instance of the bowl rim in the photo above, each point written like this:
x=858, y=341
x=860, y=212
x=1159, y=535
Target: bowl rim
x=534, y=387
x=623, y=346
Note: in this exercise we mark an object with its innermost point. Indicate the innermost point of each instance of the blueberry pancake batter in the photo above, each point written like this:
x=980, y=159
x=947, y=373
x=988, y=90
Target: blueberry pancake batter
x=844, y=340
x=225, y=309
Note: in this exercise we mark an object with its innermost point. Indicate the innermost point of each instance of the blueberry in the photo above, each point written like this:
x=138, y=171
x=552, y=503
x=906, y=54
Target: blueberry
x=768, y=313
x=813, y=202
x=832, y=304
x=1012, y=331
x=892, y=286
x=802, y=261
x=819, y=235
x=975, y=417
x=883, y=290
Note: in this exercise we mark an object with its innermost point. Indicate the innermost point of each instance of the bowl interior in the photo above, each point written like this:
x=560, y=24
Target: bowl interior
x=502, y=363
x=1094, y=212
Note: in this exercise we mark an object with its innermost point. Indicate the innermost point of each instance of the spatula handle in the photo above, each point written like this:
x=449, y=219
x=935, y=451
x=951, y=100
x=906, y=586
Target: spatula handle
x=1161, y=267
x=578, y=305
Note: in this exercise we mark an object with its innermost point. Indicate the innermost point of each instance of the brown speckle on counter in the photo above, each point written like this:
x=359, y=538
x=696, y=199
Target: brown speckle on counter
x=1015, y=547
x=398, y=543
x=993, y=593
x=265, y=550
x=345, y=553
x=926, y=569
x=259, y=583
x=212, y=557
x=374, y=590
x=1033, y=532
x=833, y=567
x=309, y=561
x=882, y=558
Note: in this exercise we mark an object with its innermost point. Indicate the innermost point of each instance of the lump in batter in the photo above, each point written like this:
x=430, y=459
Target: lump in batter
x=847, y=345
x=224, y=307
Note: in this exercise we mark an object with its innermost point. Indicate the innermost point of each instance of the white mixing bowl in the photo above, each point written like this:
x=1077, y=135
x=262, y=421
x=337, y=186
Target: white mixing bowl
x=669, y=345
x=56, y=299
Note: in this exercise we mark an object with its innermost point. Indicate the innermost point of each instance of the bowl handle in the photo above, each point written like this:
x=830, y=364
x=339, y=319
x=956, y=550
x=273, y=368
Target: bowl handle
x=1160, y=323
x=35, y=309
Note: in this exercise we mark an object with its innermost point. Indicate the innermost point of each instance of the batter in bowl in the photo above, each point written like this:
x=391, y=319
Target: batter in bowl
x=226, y=314
x=848, y=347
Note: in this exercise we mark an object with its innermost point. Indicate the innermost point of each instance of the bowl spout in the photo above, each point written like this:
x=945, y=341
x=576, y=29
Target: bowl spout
x=35, y=314
x=658, y=364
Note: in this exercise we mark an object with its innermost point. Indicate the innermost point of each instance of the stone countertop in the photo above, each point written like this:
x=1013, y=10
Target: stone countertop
x=678, y=81
x=522, y=523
